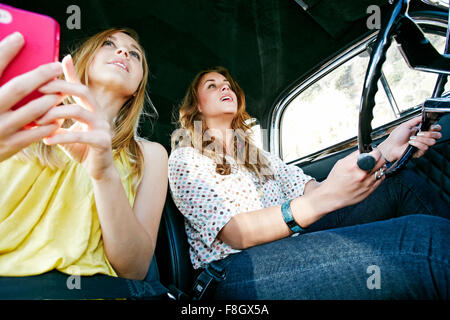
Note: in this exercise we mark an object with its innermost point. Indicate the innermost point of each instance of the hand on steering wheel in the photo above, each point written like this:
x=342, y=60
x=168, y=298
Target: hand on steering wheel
x=407, y=134
x=399, y=147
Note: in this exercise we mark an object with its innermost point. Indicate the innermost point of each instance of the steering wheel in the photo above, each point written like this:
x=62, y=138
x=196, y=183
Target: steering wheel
x=420, y=55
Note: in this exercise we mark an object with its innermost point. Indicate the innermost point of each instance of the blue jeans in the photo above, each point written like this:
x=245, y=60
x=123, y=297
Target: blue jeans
x=393, y=245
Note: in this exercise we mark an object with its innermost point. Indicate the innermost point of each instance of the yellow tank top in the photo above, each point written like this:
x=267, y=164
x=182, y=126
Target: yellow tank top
x=48, y=218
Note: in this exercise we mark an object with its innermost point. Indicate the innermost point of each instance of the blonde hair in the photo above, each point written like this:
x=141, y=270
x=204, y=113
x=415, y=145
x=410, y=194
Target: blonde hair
x=125, y=123
x=246, y=153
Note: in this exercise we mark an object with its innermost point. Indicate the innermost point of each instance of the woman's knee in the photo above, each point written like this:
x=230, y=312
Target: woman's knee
x=421, y=234
x=426, y=223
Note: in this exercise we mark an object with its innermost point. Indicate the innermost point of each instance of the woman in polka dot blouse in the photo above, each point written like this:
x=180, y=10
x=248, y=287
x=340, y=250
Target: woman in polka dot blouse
x=282, y=234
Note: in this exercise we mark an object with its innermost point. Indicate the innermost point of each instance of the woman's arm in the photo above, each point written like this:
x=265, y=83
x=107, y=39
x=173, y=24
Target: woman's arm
x=129, y=236
x=151, y=194
x=253, y=228
x=345, y=185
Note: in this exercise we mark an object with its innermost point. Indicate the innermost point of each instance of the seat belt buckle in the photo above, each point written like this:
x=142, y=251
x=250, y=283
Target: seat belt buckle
x=202, y=286
x=206, y=282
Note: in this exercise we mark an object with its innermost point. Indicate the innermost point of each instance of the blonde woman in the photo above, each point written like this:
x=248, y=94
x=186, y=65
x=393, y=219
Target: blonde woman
x=242, y=205
x=84, y=193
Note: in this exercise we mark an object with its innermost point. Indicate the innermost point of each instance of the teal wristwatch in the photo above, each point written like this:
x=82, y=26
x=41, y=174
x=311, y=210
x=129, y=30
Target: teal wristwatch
x=289, y=219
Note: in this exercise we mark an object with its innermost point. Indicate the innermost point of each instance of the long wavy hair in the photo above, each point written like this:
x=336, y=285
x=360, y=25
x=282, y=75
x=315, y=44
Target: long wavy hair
x=245, y=151
x=126, y=122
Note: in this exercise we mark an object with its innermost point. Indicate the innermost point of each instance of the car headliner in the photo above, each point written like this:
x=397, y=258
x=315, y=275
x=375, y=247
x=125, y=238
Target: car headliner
x=266, y=44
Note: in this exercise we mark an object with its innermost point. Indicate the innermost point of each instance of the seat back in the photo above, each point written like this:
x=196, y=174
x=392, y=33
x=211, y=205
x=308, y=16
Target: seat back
x=172, y=249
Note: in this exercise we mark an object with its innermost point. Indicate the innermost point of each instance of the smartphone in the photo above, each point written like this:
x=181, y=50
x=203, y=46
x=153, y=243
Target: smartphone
x=41, y=34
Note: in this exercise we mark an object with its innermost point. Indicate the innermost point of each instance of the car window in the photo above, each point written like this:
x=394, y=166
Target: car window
x=410, y=87
x=256, y=133
x=326, y=112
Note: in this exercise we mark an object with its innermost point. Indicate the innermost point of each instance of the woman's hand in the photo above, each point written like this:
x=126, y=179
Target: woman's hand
x=347, y=184
x=402, y=136
x=13, y=136
x=89, y=140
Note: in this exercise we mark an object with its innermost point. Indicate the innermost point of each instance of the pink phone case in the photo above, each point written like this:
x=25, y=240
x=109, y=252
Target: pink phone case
x=41, y=34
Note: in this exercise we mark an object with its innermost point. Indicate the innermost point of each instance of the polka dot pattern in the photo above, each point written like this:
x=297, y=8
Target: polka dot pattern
x=209, y=200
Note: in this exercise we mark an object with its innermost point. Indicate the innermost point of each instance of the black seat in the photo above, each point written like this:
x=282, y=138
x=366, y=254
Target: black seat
x=57, y=285
x=172, y=249
x=434, y=165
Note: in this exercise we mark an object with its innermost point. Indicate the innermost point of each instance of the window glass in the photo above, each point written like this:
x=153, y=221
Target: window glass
x=410, y=87
x=326, y=113
x=256, y=132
